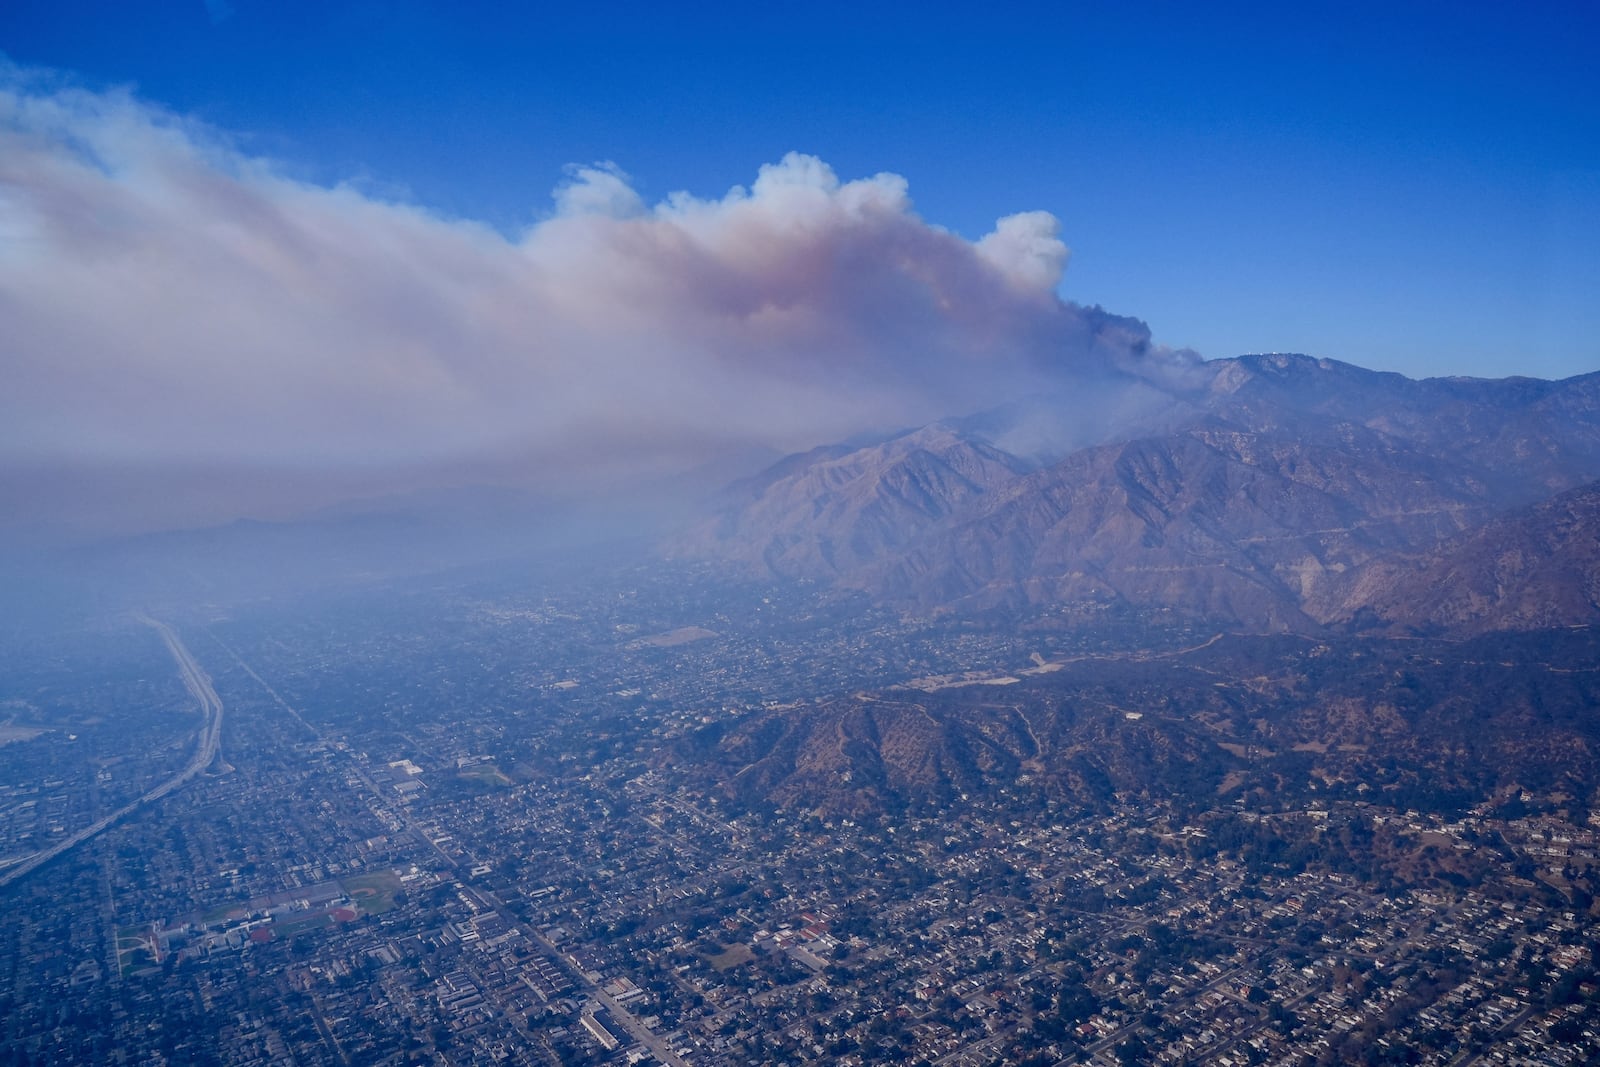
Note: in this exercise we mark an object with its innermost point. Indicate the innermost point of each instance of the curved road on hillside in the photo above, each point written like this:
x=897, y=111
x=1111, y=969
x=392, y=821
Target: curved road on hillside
x=198, y=683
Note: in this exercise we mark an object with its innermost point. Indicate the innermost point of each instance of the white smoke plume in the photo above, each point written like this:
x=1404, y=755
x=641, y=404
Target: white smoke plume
x=170, y=302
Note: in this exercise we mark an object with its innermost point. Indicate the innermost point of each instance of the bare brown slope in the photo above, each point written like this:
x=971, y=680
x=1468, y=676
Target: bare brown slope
x=1432, y=724
x=858, y=755
x=830, y=514
x=1212, y=522
x=1263, y=490
x=1537, y=568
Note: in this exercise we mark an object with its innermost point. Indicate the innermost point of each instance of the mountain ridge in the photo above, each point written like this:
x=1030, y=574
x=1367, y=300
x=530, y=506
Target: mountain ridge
x=1266, y=493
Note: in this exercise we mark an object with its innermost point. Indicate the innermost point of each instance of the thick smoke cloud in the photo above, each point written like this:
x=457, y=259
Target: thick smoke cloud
x=171, y=303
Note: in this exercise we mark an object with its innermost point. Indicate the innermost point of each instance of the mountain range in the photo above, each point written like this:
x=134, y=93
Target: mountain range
x=1409, y=572
x=1270, y=719
x=1267, y=492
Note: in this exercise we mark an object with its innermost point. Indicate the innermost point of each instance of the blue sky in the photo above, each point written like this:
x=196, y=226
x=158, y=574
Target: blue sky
x=1412, y=187
x=257, y=257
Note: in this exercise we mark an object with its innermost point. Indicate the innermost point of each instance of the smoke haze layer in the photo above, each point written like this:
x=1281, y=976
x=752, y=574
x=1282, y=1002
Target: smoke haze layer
x=223, y=339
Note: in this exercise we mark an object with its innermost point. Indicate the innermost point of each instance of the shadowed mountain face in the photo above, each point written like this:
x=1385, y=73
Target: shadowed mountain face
x=827, y=514
x=1268, y=492
x=1536, y=568
x=1419, y=723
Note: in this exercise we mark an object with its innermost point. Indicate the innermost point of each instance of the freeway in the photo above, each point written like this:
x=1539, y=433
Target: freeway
x=635, y=1027
x=199, y=684
x=206, y=748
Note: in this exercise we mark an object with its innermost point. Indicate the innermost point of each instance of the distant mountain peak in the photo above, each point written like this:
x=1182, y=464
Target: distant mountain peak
x=1261, y=502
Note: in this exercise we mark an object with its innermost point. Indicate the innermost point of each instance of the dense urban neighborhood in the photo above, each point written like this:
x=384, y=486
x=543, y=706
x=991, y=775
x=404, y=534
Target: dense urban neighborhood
x=566, y=535
x=490, y=824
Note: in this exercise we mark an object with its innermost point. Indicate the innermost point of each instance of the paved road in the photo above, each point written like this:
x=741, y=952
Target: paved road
x=636, y=1029
x=619, y=1011
x=199, y=684
x=401, y=814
